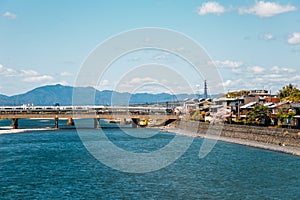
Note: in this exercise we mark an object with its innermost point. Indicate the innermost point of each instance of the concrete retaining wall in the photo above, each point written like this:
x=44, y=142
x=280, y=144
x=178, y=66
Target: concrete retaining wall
x=279, y=136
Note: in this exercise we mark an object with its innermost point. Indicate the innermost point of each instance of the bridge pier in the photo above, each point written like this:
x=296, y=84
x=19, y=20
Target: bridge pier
x=70, y=122
x=123, y=122
x=15, y=123
x=56, y=122
x=135, y=122
x=169, y=121
x=96, y=123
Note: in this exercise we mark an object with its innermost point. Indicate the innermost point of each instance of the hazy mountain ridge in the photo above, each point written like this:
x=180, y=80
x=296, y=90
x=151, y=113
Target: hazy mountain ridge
x=51, y=94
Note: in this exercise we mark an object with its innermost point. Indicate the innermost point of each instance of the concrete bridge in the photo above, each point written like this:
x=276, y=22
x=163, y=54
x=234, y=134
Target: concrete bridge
x=140, y=116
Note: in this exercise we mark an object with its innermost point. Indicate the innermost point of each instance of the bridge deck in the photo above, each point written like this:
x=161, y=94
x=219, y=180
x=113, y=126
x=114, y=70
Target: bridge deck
x=83, y=116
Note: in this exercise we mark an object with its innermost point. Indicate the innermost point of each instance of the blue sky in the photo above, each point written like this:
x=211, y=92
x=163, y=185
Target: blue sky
x=254, y=44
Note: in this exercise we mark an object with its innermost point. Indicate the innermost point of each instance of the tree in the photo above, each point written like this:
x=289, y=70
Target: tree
x=237, y=94
x=282, y=117
x=289, y=93
x=258, y=115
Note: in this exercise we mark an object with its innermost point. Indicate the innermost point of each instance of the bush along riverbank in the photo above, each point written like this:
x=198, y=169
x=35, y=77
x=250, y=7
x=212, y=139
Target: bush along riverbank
x=276, y=136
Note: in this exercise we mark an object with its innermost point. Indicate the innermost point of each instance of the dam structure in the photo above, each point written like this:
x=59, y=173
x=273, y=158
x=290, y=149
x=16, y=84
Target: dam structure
x=138, y=115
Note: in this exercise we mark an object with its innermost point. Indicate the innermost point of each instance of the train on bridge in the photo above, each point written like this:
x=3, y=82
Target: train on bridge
x=138, y=114
x=84, y=109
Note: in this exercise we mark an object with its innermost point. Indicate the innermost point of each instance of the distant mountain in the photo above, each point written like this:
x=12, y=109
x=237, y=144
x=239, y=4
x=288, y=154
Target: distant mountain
x=67, y=95
x=4, y=100
x=46, y=95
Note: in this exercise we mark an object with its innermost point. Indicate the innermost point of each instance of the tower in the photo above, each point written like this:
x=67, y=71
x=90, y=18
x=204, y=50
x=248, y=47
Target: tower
x=205, y=89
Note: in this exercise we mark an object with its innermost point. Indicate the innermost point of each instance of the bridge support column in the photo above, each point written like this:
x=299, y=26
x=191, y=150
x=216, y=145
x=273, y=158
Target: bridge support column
x=15, y=123
x=70, y=122
x=96, y=123
x=56, y=122
x=123, y=121
x=135, y=122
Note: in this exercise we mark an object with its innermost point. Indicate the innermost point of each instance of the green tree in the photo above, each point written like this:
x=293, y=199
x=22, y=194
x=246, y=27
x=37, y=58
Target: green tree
x=289, y=93
x=237, y=94
x=258, y=115
x=281, y=116
x=284, y=116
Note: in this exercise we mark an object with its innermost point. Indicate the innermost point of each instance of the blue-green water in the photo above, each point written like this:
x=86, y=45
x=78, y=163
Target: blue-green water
x=56, y=165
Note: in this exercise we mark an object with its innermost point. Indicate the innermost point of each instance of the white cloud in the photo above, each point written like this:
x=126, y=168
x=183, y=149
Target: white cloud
x=104, y=82
x=268, y=36
x=247, y=77
x=227, y=83
x=228, y=63
x=270, y=76
x=259, y=77
x=235, y=66
x=9, y=15
x=295, y=78
x=28, y=73
x=143, y=80
x=211, y=8
x=294, y=38
x=4, y=71
x=278, y=70
x=25, y=75
x=38, y=78
x=230, y=83
x=66, y=74
x=256, y=69
x=267, y=9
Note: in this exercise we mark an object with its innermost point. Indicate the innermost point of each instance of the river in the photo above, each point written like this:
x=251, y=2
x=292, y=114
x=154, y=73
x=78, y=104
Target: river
x=55, y=164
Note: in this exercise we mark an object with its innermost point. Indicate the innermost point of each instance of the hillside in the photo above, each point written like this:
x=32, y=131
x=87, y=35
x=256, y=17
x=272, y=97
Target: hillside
x=52, y=94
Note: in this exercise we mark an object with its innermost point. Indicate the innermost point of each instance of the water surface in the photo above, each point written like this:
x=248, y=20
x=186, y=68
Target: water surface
x=56, y=165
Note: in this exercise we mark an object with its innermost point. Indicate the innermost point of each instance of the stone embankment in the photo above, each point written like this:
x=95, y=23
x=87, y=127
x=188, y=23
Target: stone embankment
x=275, y=136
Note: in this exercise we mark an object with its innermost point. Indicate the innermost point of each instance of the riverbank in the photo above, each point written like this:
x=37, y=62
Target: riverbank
x=260, y=137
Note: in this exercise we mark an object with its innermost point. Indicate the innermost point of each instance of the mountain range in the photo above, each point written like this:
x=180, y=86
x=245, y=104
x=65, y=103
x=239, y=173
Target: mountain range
x=68, y=95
